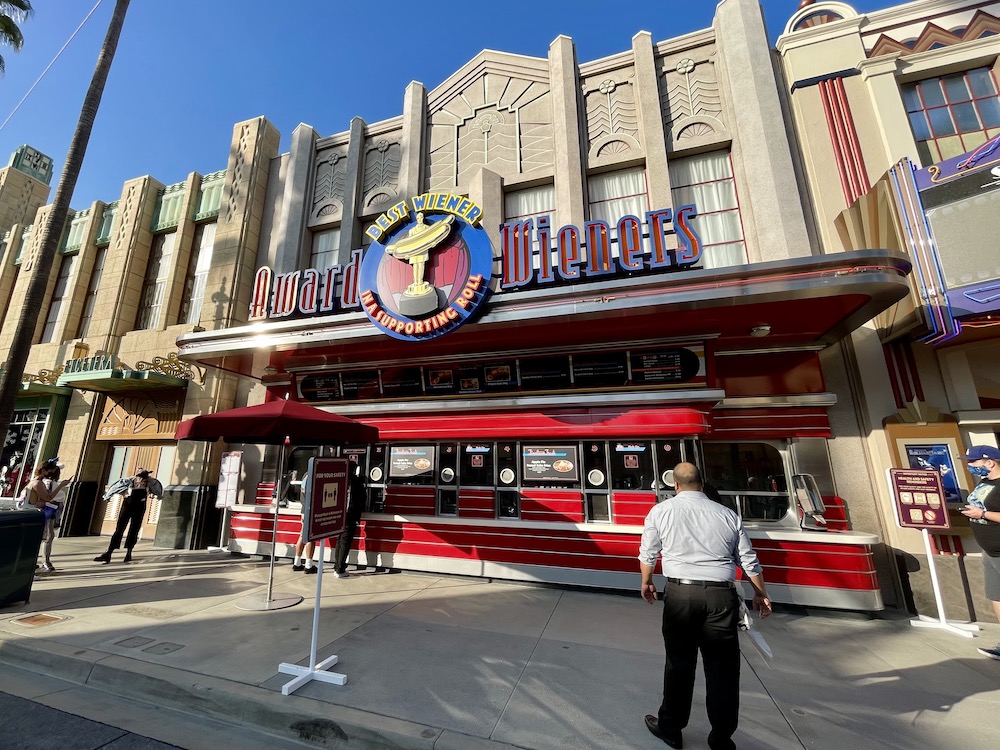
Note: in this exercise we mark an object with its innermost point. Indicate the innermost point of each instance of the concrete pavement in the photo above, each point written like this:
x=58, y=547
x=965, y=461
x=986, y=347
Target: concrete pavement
x=454, y=663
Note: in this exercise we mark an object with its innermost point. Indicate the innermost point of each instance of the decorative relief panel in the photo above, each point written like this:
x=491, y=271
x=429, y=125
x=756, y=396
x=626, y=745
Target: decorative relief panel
x=144, y=416
x=331, y=181
x=612, y=117
x=497, y=121
x=692, y=103
x=380, y=185
x=941, y=30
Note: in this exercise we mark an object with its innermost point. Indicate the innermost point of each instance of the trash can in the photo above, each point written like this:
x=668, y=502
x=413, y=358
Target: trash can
x=20, y=538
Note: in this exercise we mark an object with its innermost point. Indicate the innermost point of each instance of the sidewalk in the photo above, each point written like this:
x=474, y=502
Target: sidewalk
x=461, y=664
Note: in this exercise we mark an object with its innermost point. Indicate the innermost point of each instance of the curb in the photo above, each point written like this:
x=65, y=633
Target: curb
x=292, y=717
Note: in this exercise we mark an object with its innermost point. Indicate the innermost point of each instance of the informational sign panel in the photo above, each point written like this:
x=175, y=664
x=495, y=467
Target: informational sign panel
x=918, y=499
x=556, y=463
x=229, y=479
x=326, y=497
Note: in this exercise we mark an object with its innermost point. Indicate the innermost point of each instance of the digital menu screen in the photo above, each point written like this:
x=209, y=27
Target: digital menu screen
x=320, y=388
x=402, y=381
x=358, y=384
x=500, y=376
x=556, y=463
x=604, y=370
x=411, y=461
x=544, y=373
x=441, y=380
x=664, y=366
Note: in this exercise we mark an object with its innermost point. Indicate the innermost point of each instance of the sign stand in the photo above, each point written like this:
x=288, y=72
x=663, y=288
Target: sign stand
x=229, y=474
x=314, y=671
x=960, y=628
x=919, y=503
x=324, y=516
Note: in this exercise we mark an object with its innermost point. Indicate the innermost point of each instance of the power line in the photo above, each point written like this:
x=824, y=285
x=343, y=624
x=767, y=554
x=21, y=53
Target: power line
x=39, y=80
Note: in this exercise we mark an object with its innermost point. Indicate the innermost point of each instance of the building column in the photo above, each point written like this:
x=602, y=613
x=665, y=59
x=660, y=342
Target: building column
x=290, y=222
x=654, y=139
x=350, y=227
x=414, y=136
x=564, y=84
x=879, y=76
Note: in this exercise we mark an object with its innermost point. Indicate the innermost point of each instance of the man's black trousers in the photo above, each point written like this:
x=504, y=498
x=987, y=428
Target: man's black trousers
x=698, y=617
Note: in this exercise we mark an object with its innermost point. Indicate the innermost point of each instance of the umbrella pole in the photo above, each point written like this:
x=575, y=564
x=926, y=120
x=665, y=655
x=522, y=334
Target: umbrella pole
x=270, y=601
x=274, y=531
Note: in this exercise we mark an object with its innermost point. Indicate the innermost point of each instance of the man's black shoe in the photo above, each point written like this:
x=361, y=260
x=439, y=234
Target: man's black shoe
x=673, y=739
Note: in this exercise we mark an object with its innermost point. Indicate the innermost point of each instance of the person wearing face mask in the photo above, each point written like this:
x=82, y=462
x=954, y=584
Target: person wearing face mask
x=983, y=509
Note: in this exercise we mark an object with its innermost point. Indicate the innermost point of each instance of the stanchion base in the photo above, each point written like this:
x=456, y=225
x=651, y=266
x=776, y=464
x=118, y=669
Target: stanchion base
x=259, y=603
x=305, y=674
x=963, y=629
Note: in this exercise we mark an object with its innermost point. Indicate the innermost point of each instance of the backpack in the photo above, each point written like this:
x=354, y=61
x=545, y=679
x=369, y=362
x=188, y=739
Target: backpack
x=154, y=486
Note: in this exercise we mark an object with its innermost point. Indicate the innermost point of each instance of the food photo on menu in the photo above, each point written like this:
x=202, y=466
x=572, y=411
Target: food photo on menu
x=554, y=463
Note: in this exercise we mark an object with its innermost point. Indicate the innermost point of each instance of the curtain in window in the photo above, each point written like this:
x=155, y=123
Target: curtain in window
x=155, y=285
x=59, y=295
x=201, y=262
x=530, y=203
x=325, y=249
x=707, y=182
x=617, y=194
x=92, y=289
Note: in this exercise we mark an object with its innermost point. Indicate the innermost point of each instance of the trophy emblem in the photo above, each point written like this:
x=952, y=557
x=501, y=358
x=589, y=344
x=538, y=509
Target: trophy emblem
x=415, y=247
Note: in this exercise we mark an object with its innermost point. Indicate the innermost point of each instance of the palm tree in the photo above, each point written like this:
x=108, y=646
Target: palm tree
x=12, y=12
x=40, y=267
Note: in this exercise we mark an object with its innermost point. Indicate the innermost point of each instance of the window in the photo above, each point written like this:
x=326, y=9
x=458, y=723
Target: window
x=632, y=465
x=952, y=114
x=197, y=274
x=155, y=285
x=531, y=203
x=476, y=465
x=706, y=181
x=613, y=195
x=753, y=473
x=92, y=289
x=60, y=297
x=325, y=249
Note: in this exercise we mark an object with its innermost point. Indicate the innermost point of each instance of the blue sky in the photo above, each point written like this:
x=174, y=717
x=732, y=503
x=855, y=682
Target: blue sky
x=186, y=71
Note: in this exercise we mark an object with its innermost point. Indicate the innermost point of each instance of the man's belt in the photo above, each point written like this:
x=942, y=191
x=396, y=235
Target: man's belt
x=692, y=582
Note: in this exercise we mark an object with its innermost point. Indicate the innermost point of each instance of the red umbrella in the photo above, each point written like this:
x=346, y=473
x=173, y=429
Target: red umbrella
x=274, y=421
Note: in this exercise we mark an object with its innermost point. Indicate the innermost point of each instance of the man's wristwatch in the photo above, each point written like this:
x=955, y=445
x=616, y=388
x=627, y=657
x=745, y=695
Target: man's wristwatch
x=983, y=516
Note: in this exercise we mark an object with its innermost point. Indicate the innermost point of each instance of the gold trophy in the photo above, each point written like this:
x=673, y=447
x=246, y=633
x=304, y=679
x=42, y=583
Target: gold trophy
x=414, y=247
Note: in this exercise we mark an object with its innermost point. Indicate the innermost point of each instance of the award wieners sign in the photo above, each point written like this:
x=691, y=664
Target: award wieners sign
x=919, y=499
x=326, y=498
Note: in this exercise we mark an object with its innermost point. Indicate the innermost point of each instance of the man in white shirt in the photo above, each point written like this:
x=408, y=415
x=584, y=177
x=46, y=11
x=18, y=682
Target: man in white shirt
x=701, y=543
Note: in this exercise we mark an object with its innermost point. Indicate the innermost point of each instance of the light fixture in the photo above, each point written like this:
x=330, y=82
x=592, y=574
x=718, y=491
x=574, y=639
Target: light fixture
x=760, y=331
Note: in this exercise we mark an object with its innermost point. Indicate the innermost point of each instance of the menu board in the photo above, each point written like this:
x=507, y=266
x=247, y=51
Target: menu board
x=320, y=388
x=402, y=381
x=664, y=366
x=441, y=380
x=360, y=384
x=470, y=380
x=500, y=376
x=603, y=370
x=411, y=460
x=555, y=463
x=543, y=373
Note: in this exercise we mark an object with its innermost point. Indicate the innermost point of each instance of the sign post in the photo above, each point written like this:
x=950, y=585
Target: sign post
x=324, y=516
x=919, y=503
x=225, y=498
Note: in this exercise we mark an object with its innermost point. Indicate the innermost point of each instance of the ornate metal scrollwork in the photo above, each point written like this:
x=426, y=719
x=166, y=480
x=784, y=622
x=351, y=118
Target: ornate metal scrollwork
x=44, y=377
x=169, y=365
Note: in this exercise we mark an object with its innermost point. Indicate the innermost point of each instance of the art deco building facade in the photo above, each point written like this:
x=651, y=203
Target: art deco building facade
x=898, y=117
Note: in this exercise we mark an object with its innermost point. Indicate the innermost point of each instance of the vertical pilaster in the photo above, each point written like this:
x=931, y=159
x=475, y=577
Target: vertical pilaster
x=411, y=178
x=290, y=222
x=237, y=236
x=350, y=227
x=879, y=76
x=771, y=208
x=564, y=83
x=654, y=140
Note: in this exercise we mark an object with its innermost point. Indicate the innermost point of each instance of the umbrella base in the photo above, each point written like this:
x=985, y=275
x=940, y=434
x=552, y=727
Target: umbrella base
x=258, y=603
